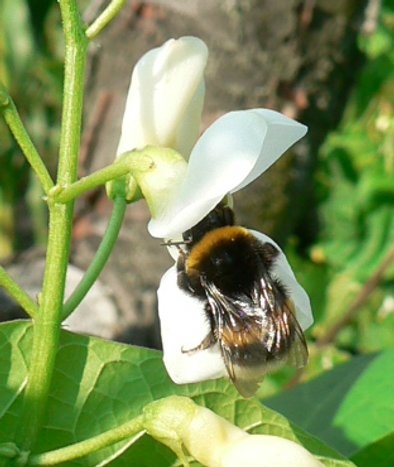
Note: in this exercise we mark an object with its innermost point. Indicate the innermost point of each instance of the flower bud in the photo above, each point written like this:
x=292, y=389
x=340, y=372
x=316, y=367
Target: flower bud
x=178, y=422
x=215, y=442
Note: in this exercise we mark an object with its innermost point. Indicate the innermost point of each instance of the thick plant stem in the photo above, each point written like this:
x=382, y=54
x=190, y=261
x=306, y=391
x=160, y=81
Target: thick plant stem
x=47, y=322
x=46, y=327
x=100, y=259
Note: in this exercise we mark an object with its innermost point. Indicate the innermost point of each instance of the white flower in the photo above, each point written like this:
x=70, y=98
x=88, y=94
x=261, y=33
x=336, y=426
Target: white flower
x=164, y=109
x=233, y=152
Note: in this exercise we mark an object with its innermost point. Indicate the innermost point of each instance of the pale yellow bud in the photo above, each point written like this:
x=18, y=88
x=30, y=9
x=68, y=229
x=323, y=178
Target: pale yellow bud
x=213, y=441
x=208, y=436
x=266, y=451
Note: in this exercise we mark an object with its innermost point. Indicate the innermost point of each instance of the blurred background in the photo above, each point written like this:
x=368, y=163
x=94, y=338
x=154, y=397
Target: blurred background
x=329, y=203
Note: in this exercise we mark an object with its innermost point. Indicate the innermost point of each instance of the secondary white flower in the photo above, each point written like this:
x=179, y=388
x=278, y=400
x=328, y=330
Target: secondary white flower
x=218, y=443
x=213, y=441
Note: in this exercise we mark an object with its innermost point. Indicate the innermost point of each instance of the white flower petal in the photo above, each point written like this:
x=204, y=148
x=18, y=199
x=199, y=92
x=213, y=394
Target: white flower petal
x=231, y=153
x=282, y=270
x=166, y=89
x=189, y=126
x=184, y=326
x=281, y=134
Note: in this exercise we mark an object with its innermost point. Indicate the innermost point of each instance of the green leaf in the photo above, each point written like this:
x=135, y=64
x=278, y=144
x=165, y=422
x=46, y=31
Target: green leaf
x=348, y=407
x=13, y=368
x=380, y=453
x=98, y=385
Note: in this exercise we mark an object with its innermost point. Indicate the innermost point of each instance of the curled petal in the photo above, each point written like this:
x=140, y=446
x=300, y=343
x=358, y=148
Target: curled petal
x=282, y=133
x=183, y=326
x=166, y=91
x=231, y=153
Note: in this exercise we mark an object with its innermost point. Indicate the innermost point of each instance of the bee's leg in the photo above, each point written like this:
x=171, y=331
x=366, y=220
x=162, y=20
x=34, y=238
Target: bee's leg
x=208, y=341
x=182, y=278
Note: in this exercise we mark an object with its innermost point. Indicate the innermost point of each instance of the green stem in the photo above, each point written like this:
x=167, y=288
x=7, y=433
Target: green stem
x=135, y=161
x=17, y=128
x=100, y=259
x=106, y=16
x=133, y=428
x=47, y=322
x=18, y=294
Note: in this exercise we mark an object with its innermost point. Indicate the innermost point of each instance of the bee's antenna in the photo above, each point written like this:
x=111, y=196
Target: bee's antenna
x=172, y=243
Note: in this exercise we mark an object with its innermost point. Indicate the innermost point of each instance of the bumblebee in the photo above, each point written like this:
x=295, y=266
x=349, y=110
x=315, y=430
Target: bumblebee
x=250, y=313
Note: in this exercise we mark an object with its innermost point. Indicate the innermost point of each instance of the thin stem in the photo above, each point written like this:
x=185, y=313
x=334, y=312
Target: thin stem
x=133, y=428
x=97, y=265
x=18, y=294
x=106, y=16
x=47, y=322
x=100, y=177
x=371, y=284
x=17, y=128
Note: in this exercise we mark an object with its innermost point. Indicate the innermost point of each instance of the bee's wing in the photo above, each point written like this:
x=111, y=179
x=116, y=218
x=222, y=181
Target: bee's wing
x=298, y=355
x=256, y=334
